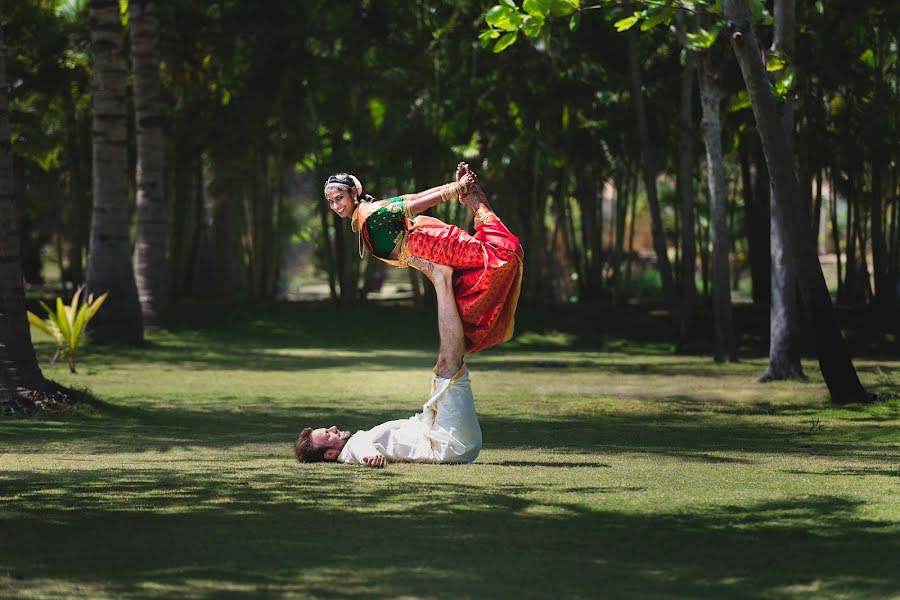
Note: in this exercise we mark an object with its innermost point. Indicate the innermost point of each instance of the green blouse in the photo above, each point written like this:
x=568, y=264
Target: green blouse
x=387, y=226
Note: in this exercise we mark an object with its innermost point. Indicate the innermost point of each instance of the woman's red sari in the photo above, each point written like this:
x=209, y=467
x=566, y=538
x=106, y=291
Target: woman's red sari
x=487, y=266
x=487, y=274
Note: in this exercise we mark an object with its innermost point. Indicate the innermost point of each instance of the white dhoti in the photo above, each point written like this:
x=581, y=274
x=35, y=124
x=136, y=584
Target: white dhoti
x=446, y=431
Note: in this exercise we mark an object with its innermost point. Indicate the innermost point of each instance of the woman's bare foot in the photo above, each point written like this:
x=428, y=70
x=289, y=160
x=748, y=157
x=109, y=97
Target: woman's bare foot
x=475, y=196
x=461, y=169
x=433, y=271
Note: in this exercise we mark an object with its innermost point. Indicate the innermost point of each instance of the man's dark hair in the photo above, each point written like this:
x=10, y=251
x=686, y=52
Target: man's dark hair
x=304, y=449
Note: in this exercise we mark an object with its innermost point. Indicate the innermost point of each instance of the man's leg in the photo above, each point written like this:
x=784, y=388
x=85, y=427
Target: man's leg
x=450, y=327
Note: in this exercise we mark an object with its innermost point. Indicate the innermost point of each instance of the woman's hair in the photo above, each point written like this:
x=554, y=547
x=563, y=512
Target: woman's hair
x=347, y=182
x=304, y=449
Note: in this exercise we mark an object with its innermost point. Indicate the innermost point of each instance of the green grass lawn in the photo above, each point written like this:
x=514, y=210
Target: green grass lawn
x=611, y=468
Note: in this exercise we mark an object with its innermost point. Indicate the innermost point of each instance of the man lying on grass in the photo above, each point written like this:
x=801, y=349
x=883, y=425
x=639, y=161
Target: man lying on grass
x=447, y=429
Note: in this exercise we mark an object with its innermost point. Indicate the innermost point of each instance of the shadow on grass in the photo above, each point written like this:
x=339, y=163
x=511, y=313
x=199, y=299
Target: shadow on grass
x=380, y=534
x=693, y=437
x=389, y=337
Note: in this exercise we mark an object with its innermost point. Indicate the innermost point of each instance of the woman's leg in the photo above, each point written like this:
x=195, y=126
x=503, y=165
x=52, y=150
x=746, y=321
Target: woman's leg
x=444, y=244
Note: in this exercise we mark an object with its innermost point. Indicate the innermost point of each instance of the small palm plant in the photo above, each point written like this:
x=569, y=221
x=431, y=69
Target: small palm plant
x=67, y=324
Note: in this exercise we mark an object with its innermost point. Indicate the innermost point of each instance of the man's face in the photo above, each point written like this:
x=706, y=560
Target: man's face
x=331, y=438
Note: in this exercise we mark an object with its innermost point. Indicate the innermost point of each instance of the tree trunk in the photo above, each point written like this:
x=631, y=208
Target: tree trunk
x=836, y=236
x=849, y=238
x=883, y=293
x=894, y=266
x=711, y=100
x=834, y=359
x=686, y=158
x=29, y=235
x=757, y=216
x=587, y=201
x=150, y=268
x=204, y=277
x=78, y=207
x=784, y=316
x=649, y=171
x=18, y=363
x=817, y=209
x=347, y=259
x=863, y=292
x=626, y=294
x=618, y=251
x=109, y=259
x=535, y=231
x=327, y=250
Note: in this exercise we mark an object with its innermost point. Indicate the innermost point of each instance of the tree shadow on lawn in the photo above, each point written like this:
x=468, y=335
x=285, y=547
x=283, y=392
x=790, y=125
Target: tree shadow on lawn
x=116, y=429
x=334, y=531
x=200, y=352
x=633, y=329
x=381, y=337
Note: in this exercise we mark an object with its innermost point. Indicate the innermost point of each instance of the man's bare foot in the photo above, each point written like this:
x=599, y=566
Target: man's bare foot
x=433, y=271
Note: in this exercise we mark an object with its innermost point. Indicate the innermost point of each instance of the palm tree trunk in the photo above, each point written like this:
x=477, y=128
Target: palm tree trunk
x=18, y=364
x=150, y=270
x=109, y=259
x=711, y=100
x=834, y=359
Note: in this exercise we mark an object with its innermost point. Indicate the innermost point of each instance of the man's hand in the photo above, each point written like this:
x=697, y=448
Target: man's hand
x=433, y=271
x=376, y=462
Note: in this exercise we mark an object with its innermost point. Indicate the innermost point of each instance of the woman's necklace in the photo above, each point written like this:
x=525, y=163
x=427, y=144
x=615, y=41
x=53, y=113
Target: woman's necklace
x=358, y=228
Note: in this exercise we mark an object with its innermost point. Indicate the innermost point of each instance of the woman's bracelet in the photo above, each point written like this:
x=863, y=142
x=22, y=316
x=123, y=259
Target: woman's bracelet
x=451, y=191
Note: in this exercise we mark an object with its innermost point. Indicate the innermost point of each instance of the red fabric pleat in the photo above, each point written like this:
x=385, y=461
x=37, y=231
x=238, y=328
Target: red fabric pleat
x=487, y=274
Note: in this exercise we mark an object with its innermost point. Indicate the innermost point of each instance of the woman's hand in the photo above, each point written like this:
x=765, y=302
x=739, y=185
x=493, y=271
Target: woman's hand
x=469, y=180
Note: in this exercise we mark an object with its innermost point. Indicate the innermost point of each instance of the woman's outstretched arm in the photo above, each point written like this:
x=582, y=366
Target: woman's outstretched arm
x=421, y=201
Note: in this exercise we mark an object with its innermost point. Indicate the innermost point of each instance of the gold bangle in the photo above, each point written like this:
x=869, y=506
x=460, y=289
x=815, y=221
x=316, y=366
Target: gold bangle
x=449, y=192
x=482, y=215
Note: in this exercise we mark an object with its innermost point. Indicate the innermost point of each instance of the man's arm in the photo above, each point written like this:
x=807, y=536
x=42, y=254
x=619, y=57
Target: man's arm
x=450, y=327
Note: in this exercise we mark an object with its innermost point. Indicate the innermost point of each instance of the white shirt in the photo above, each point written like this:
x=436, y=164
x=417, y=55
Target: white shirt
x=446, y=431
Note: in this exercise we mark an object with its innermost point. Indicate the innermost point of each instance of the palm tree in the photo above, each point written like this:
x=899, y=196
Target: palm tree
x=18, y=364
x=150, y=244
x=109, y=258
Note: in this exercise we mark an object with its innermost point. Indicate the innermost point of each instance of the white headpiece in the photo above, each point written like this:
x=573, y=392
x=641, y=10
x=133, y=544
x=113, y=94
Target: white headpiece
x=357, y=186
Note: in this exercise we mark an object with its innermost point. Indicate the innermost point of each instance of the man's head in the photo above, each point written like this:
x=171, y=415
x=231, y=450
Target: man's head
x=322, y=444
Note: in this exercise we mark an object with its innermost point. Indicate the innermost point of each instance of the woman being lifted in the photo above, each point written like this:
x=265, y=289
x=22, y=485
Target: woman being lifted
x=487, y=266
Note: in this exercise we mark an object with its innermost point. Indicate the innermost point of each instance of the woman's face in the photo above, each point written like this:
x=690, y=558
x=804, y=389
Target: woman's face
x=340, y=201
